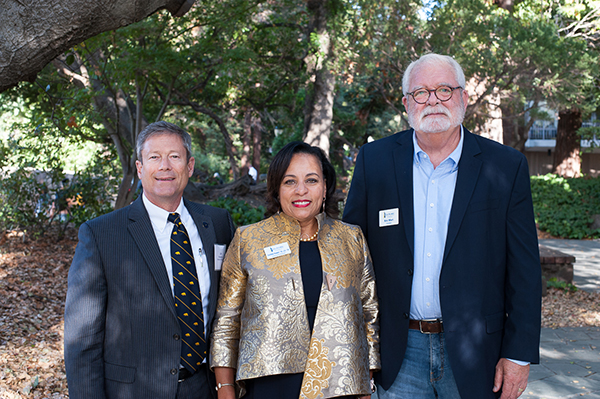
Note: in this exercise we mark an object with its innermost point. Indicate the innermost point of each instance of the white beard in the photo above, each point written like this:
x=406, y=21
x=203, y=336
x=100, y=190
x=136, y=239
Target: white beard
x=435, y=124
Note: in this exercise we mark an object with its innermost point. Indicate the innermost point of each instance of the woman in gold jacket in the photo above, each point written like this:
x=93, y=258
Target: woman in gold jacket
x=297, y=315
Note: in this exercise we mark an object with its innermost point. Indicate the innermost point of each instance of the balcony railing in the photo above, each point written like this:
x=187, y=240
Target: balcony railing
x=542, y=133
x=544, y=130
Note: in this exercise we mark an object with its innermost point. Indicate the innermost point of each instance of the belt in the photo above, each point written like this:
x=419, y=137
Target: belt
x=184, y=374
x=426, y=326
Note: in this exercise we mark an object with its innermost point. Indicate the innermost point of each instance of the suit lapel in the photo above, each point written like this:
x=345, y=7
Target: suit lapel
x=468, y=173
x=206, y=229
x=403, y=160
x=142, y=232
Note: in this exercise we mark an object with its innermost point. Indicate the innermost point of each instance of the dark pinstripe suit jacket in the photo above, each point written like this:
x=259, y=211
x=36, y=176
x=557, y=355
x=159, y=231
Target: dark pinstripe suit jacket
x=120, y=320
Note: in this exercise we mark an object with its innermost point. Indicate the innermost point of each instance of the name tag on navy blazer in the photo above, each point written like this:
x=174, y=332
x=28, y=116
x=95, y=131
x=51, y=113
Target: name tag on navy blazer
x=388, y=217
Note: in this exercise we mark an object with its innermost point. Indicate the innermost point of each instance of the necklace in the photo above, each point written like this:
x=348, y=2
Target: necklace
x=311, y=238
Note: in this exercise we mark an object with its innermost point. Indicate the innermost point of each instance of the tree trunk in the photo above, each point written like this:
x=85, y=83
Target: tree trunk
x=246, y=140
x=256, y=139
x=567, y=161
x=318, y=107
x=515, y=131
x=33, y=33
x=508, y=5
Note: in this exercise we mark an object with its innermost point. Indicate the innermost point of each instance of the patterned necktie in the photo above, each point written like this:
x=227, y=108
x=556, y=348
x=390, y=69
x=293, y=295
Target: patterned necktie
x=188, y=301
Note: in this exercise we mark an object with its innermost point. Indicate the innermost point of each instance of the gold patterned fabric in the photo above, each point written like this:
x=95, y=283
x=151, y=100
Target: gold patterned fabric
x=261, y=326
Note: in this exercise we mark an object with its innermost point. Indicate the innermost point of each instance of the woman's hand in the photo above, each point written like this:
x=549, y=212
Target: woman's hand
x=225, y=375
x=228, y=392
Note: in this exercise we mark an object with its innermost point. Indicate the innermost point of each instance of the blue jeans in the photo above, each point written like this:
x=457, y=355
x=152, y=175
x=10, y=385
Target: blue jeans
x=425, y=371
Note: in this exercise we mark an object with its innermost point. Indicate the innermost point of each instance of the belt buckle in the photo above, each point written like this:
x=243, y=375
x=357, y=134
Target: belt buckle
x=186, y=373
x=427, y=321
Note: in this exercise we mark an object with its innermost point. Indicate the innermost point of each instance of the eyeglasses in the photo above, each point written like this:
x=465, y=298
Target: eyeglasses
x=443, y=93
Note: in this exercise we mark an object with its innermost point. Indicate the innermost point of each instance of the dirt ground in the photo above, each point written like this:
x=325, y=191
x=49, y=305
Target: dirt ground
x=33, y=286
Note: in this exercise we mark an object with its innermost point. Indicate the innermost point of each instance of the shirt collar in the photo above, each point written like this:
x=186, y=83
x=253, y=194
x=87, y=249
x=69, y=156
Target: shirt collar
x=454, y=155
x=158, y=216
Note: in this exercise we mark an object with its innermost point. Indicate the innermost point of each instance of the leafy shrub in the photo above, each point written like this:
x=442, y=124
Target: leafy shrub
x=241, y=212
x=564, y=207
x=35, y=192
x=92, y=191
x=561, y=285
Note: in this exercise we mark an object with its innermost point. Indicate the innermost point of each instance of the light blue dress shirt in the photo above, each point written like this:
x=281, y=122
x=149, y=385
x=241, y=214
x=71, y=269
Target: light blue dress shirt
x=433, y=191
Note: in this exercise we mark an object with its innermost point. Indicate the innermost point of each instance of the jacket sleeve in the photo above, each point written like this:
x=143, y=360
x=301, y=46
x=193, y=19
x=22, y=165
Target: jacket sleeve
x=370, y=307
x=523, y=275
x=85, y=321
x=232, y=291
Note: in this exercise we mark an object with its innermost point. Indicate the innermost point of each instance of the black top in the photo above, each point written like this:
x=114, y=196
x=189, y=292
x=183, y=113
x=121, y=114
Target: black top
x=311, y=270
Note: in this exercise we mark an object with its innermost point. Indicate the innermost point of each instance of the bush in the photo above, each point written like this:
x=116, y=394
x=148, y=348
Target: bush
x=241, y=212
x=34, y=199
x=564, y=207
x=560, y=285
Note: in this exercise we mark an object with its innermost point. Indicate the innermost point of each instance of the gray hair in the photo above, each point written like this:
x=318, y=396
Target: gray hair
x=163, y=127
x=435, y=59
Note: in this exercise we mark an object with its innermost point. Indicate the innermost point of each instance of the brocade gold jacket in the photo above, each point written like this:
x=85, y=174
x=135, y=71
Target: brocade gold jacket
x=261, y=326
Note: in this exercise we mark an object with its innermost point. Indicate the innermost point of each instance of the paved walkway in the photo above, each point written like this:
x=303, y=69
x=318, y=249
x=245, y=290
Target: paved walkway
x=570, y=357
x=586, y=269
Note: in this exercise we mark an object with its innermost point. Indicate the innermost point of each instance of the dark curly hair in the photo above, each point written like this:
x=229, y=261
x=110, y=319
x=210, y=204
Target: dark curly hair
x=280, y=165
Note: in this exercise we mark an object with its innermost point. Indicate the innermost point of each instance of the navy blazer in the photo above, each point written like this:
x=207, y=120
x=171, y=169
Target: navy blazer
x=121, y=328
x=490, y=282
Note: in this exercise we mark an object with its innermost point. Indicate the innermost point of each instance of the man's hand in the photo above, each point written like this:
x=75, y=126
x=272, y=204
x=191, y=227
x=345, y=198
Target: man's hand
x=511, y=378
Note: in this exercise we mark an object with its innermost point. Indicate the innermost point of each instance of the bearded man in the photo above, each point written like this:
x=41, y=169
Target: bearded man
x=448, y=217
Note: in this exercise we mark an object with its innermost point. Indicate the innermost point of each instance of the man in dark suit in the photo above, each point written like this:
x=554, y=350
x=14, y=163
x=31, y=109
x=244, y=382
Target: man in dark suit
x=127, y=333
x=449, y=220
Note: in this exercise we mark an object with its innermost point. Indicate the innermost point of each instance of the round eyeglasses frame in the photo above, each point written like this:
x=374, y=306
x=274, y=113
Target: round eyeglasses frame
x=439, y=93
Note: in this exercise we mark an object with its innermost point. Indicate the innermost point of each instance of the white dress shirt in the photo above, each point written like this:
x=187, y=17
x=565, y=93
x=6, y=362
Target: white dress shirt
x=163, y=229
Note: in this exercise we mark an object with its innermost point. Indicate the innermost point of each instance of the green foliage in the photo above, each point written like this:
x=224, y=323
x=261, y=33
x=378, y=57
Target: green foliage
x=36, y=192
x=561, y=285
x=206, y=69
x=241, y=212
x=91, y=191
x=564, y=207
x=590, y=133
x=209, y=163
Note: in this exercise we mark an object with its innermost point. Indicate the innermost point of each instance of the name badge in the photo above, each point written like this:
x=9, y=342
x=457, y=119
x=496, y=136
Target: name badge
x=277, y=250
x=219, y=256
x=388, y=217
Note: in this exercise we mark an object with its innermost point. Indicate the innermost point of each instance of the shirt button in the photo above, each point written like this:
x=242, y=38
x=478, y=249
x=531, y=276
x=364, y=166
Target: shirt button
x=173, y=371
x=430, y=229
x=433, y=181
x=427, y=279
x=427, y=304
x=428, y=254
x=176, y=337
x=431, y=205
